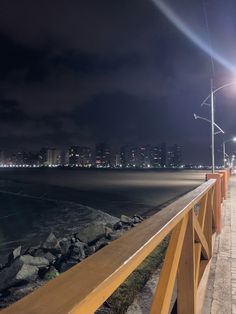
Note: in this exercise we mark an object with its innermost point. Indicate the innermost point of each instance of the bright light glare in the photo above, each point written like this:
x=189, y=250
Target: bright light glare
x=186, y=30
x=234, y=139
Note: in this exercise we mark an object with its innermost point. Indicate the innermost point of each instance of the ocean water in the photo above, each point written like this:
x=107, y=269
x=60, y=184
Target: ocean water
x=35, y=202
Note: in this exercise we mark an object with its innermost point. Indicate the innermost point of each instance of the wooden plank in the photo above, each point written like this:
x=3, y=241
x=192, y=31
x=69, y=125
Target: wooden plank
x=208, y=228
x=202, y=212
x=205, y=271
x=164, y=291
x=203, y=265
x=186, y=286
x=199, y=237
x=198, y=249
x=202, y=286
x=84, y=287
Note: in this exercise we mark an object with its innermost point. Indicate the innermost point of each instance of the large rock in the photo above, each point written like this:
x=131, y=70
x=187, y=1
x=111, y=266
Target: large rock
x=34, y=261
x=108, y=231
x=31, y=250
x=118, y=225
x=48, y=255
x=77, y=251
x=89, y=250
x=101, y=243
x=52, y=244
x=64, y=245
x=116, y=234
x=91, y=232
x=38, y=252
x=137, y=219
x=126, y=219
x=66, y=264
x=17, y=273
x=14, y=254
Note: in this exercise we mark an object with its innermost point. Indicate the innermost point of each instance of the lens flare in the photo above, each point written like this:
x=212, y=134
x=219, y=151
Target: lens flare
x=188, y=32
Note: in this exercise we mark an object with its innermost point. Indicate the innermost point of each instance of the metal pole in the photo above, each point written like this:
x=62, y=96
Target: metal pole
x=224, y=154
x=212, y=129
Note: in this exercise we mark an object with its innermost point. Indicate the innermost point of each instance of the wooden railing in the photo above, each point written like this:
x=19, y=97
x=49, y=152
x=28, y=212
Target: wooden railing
x=190, y=221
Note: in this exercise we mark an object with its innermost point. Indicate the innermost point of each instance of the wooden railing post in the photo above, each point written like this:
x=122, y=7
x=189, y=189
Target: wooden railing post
x=217, y=199
x=225, y=182
x=186, y=284
x=164, y=291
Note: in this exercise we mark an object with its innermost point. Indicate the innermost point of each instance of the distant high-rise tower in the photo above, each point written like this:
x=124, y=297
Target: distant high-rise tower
x=103, y=156
x=65, y=157
x=144, y=156
x=74, y=156
x=117, y=161
x=124, y=156
x=178, y=155
x=133, y=157
x=53, y=157
x=156, y=159
x=2, y=157
x=42, y=156
x=174, y=156
x=85, y=156
x=163, y=155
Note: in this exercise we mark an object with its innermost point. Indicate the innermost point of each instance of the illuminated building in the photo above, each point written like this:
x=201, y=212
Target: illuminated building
x=2, y=157
x=124, y=156
x=144, y=157
x=53, y=157
x=80, y=156
x=156, y=157
x=174, y=156
x=74, y=156
x=64, y=158
x=42, y=156
x=103, y=156
x=163, y=155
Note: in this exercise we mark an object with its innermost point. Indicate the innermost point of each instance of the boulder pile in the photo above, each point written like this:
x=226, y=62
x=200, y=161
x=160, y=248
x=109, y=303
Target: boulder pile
x=26, y=270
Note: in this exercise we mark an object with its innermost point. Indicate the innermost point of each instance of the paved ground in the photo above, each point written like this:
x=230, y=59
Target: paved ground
x=221, y=291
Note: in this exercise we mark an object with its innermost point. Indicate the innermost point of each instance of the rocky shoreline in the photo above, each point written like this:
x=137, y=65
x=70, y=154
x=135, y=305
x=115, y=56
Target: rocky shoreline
x=30, y=268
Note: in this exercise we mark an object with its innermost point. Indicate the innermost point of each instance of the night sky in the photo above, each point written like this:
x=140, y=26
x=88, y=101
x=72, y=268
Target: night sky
x=82, y=72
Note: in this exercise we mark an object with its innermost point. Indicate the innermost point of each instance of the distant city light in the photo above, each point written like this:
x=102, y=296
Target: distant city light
x=128, y=157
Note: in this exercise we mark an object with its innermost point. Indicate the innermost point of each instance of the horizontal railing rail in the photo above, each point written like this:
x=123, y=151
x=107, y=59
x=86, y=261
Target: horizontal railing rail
x=190, y=221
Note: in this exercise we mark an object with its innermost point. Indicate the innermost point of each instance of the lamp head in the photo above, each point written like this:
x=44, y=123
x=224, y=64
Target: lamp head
x=234, y=138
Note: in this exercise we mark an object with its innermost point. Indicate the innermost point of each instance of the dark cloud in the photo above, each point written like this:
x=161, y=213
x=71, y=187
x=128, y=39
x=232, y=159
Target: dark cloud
x=117, y=71
x=122, y=117
x=95, y=64
x=10, y=111
x=15, y=57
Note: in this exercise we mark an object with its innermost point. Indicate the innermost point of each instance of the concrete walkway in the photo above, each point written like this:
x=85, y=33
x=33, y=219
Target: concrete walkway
x=221, y=291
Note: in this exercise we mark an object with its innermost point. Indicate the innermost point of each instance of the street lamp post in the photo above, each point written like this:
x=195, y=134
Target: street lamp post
x=211, y=96
x=207, y=120
x=224, y=152
x=212, y=129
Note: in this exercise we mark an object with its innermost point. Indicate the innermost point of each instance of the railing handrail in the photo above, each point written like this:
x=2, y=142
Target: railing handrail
x=84, y=287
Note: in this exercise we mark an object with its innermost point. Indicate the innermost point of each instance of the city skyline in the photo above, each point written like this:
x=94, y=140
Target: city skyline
x=100, y=156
